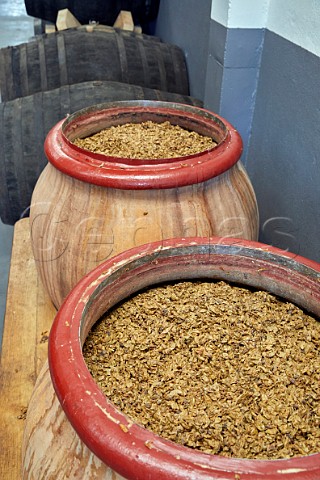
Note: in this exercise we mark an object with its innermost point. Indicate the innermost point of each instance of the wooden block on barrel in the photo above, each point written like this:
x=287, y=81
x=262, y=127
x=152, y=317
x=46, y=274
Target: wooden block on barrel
x=66, y=20
x=50, y=28
x=124, y=21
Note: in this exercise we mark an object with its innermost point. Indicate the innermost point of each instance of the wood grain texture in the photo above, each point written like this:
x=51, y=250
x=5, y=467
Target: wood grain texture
x=29, y=315
x=46, y=430
x=51, y=448
x=76, y=225
x=76, y=55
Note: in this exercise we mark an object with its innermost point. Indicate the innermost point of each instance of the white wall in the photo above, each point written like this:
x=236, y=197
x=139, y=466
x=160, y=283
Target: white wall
x=240, y=13
x=296, y=20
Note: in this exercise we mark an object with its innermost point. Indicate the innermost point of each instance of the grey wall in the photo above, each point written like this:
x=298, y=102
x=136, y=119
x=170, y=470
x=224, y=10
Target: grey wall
x=234, y=57
x=187, y=24
x=284, y=153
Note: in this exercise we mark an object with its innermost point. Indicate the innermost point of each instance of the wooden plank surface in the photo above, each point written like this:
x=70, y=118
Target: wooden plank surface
x=29, y=315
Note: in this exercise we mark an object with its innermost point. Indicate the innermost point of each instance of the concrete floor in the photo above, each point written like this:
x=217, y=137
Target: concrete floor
x=15, y=27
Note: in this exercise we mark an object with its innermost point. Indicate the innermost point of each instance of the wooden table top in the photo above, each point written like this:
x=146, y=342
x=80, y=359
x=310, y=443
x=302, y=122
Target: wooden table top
x=28, y=318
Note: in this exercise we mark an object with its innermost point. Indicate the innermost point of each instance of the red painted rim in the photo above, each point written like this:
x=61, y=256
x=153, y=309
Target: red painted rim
x=136, y=174
x=137, y=453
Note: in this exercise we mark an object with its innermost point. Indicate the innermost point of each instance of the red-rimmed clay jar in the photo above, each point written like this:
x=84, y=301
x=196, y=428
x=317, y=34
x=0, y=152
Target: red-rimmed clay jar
x=77, y=433
x=88, y=207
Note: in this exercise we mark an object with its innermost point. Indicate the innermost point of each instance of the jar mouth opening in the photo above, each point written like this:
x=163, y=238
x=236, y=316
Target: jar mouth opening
x=240, y=261
x=89, y=121
x=134, y=174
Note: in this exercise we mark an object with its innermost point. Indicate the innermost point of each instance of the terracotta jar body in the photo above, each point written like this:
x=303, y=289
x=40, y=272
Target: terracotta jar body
x=88, y=207
x=77, y=433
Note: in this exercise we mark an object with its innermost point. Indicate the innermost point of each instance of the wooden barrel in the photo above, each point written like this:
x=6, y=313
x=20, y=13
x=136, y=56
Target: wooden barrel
x=143, y=11
x=87, y=207
x=77, y=55
x=72, y=431
x=25, y=123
